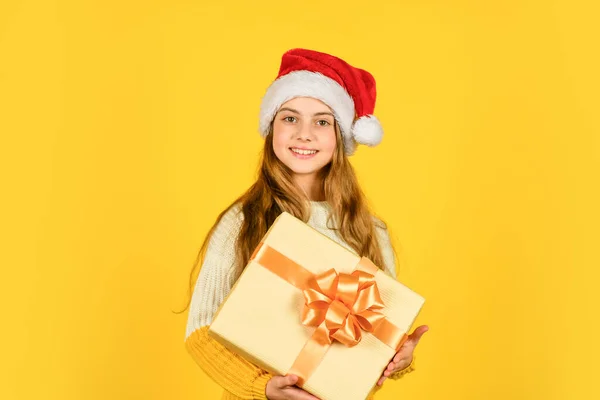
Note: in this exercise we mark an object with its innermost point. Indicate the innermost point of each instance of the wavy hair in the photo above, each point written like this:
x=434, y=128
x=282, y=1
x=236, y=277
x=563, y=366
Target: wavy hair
x=275, y=191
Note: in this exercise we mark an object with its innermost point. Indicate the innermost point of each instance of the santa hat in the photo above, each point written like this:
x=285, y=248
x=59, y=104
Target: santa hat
x=348, y=91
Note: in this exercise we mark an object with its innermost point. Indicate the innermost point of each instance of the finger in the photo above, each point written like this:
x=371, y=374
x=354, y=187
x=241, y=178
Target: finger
x=381, y=380
x=399, y=356
x=405, y=353
x=417, y=333
x=400, y=365
x=395, y=367
x=409, y=345
x=290, y=380
x=281, y=382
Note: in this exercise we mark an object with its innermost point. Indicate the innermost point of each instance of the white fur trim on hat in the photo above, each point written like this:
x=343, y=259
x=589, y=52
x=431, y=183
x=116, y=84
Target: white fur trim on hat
x=367, y=130
x=308, y=84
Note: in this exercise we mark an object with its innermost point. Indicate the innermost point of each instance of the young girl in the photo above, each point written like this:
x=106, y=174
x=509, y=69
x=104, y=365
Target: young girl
x=312, y=116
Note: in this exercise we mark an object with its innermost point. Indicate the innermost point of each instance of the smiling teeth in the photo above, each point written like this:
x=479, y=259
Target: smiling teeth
x=304, y=152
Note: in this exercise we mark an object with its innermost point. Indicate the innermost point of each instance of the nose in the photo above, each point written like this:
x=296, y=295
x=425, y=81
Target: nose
x=304, y=132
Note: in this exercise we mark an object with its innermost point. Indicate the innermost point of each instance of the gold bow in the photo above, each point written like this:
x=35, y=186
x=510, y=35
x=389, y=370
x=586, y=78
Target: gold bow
x=340, y=305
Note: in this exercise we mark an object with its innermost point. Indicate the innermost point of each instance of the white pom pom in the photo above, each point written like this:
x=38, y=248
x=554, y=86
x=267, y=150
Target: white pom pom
x=367, y=130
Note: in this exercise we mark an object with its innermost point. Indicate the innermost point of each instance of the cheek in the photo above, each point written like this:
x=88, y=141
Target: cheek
x=279, y=142
x=329, y=143
x=279, y=135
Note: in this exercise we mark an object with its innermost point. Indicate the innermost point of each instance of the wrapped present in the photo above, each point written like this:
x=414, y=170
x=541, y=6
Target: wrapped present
x=306, y=305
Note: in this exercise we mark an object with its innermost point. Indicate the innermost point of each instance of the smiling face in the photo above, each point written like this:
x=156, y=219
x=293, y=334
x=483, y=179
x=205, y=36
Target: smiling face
x=304, y=136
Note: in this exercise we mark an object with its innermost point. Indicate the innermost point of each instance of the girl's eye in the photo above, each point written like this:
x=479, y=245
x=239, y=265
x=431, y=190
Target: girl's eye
x=290, y=119
x=323, y=122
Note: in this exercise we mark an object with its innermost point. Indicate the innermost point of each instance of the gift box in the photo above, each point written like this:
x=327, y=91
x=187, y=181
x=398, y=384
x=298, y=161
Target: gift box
x=306, y=305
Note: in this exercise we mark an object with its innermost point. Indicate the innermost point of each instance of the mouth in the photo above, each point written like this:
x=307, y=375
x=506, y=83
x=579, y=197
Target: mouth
x=303, y=154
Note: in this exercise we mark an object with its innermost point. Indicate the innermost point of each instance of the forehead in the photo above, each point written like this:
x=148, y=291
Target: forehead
x=307, y=105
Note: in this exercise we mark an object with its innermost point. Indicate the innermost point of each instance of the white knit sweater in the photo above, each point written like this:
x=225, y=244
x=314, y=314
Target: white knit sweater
x=215, y=278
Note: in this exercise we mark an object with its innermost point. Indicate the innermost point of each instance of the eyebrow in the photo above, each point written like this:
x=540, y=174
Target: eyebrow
x=297, y=112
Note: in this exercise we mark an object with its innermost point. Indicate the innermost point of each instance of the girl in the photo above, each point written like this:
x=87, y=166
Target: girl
x=312, y=116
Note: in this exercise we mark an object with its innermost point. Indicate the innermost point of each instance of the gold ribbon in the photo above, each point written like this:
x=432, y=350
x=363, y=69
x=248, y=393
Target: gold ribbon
x=338, y=305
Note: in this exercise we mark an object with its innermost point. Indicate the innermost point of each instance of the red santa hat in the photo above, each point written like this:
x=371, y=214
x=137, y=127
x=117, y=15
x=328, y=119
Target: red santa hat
x=348, y=91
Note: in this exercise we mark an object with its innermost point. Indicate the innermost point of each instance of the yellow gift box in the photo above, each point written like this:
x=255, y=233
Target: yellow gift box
x=308, y=306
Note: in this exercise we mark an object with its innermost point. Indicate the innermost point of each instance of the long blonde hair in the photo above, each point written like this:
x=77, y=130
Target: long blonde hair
x=274, y=192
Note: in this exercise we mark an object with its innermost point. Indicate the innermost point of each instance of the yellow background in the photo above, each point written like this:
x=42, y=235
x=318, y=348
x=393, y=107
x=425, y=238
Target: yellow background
x=127, y=126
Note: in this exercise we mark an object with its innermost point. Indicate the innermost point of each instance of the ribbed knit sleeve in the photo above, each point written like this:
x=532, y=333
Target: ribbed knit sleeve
x=240, y=378
x=235, y=374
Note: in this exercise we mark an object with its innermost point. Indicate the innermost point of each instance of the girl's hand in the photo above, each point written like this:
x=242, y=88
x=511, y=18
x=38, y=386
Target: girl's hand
x=404, y=356
x=282, y=388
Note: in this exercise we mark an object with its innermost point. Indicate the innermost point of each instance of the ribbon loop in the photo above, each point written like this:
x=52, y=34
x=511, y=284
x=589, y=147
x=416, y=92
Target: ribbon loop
x=341, y=305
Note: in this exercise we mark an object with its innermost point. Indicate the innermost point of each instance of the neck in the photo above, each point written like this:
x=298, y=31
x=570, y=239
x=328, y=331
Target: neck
x=311, y=186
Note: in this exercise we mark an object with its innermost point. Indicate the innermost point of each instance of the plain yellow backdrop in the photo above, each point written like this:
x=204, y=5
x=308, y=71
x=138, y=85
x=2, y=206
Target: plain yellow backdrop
x=127, y=126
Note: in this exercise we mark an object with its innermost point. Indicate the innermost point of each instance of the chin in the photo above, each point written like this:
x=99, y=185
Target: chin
x=303, y=168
